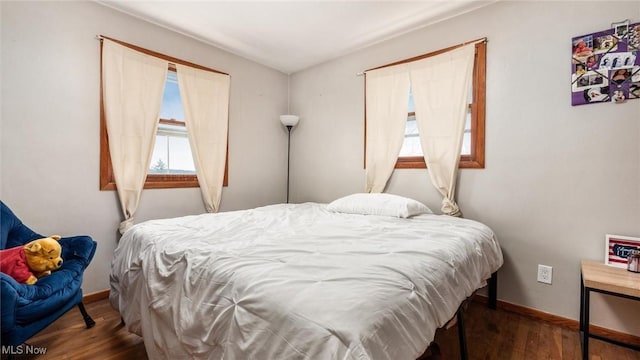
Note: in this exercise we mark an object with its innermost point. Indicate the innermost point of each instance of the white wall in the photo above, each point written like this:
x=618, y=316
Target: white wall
x=49, y=162
x=557, y=177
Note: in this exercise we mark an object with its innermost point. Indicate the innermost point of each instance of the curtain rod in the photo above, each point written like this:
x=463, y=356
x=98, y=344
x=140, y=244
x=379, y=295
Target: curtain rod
x=169, y=59
x=100, y=37
x=424, y=56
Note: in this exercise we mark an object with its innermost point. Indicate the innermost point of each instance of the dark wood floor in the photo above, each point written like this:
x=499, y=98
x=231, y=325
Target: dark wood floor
x=490, y=335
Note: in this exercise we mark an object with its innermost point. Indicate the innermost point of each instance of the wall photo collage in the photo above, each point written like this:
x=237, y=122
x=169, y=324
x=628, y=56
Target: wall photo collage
x=605, y=66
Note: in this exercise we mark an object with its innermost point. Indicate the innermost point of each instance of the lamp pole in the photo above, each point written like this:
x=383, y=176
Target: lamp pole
x=289, y=121
x=289, y=127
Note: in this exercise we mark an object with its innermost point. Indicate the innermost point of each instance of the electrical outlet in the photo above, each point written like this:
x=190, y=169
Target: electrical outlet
x=545, y=274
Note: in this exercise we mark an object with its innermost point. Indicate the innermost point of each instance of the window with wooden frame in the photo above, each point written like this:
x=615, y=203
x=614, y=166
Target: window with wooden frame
x=172, y=161
x=472, y=155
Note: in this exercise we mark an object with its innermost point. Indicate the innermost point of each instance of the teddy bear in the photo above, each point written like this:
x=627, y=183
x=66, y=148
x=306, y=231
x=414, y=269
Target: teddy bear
x=34, y=260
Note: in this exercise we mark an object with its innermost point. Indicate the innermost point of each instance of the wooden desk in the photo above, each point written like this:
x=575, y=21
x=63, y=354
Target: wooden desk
x=598, y=277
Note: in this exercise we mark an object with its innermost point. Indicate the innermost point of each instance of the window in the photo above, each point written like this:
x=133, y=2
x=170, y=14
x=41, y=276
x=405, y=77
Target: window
x=472, y=155
x=411, y=145
x=171, y=163
x=172, y=153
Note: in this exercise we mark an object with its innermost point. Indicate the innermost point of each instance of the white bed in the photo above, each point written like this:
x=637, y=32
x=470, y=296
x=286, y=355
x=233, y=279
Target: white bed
x=297, y=282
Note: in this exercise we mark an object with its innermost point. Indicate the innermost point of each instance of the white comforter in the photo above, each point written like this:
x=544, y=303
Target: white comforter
x=297, y=282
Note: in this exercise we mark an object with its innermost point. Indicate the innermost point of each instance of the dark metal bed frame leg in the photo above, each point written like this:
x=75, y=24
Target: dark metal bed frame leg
x=461, y=335
x=87, y=319
x=492, y=303
x=493, y=291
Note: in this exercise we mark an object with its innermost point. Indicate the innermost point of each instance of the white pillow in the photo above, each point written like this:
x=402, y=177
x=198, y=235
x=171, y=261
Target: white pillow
x=379, y=204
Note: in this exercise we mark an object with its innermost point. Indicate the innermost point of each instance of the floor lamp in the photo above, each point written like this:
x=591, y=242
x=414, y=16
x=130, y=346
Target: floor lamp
x=289, y=121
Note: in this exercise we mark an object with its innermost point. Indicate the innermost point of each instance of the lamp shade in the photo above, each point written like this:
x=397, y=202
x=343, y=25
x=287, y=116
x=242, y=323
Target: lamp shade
x=289, y=120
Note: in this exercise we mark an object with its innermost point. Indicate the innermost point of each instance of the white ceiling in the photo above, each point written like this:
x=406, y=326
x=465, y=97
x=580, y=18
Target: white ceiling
x=293, y=35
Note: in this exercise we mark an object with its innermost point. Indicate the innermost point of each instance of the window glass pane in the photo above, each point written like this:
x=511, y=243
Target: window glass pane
x=172, y=153
x=466, y=138
x=160, y=158
x=411, y=145
x=171, y=101
x=412, y=105
x=180, y=159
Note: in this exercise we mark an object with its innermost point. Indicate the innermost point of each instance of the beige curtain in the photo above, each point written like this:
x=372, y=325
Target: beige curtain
x=440, y=86
x=387, y=102
x=205, y=99
x=133, y=84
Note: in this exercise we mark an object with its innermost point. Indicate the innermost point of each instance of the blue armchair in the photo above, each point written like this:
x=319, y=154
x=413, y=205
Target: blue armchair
x=27, y=309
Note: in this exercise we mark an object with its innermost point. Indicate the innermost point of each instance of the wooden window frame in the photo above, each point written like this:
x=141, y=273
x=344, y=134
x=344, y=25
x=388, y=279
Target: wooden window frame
x=153, y=181
x=475, y=160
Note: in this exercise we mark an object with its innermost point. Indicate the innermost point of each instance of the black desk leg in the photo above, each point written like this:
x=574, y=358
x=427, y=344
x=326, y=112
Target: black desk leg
x=581, y=306
x=584, y=319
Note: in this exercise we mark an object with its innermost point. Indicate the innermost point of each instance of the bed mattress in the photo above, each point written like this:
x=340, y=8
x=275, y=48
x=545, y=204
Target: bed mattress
x=297, y=282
